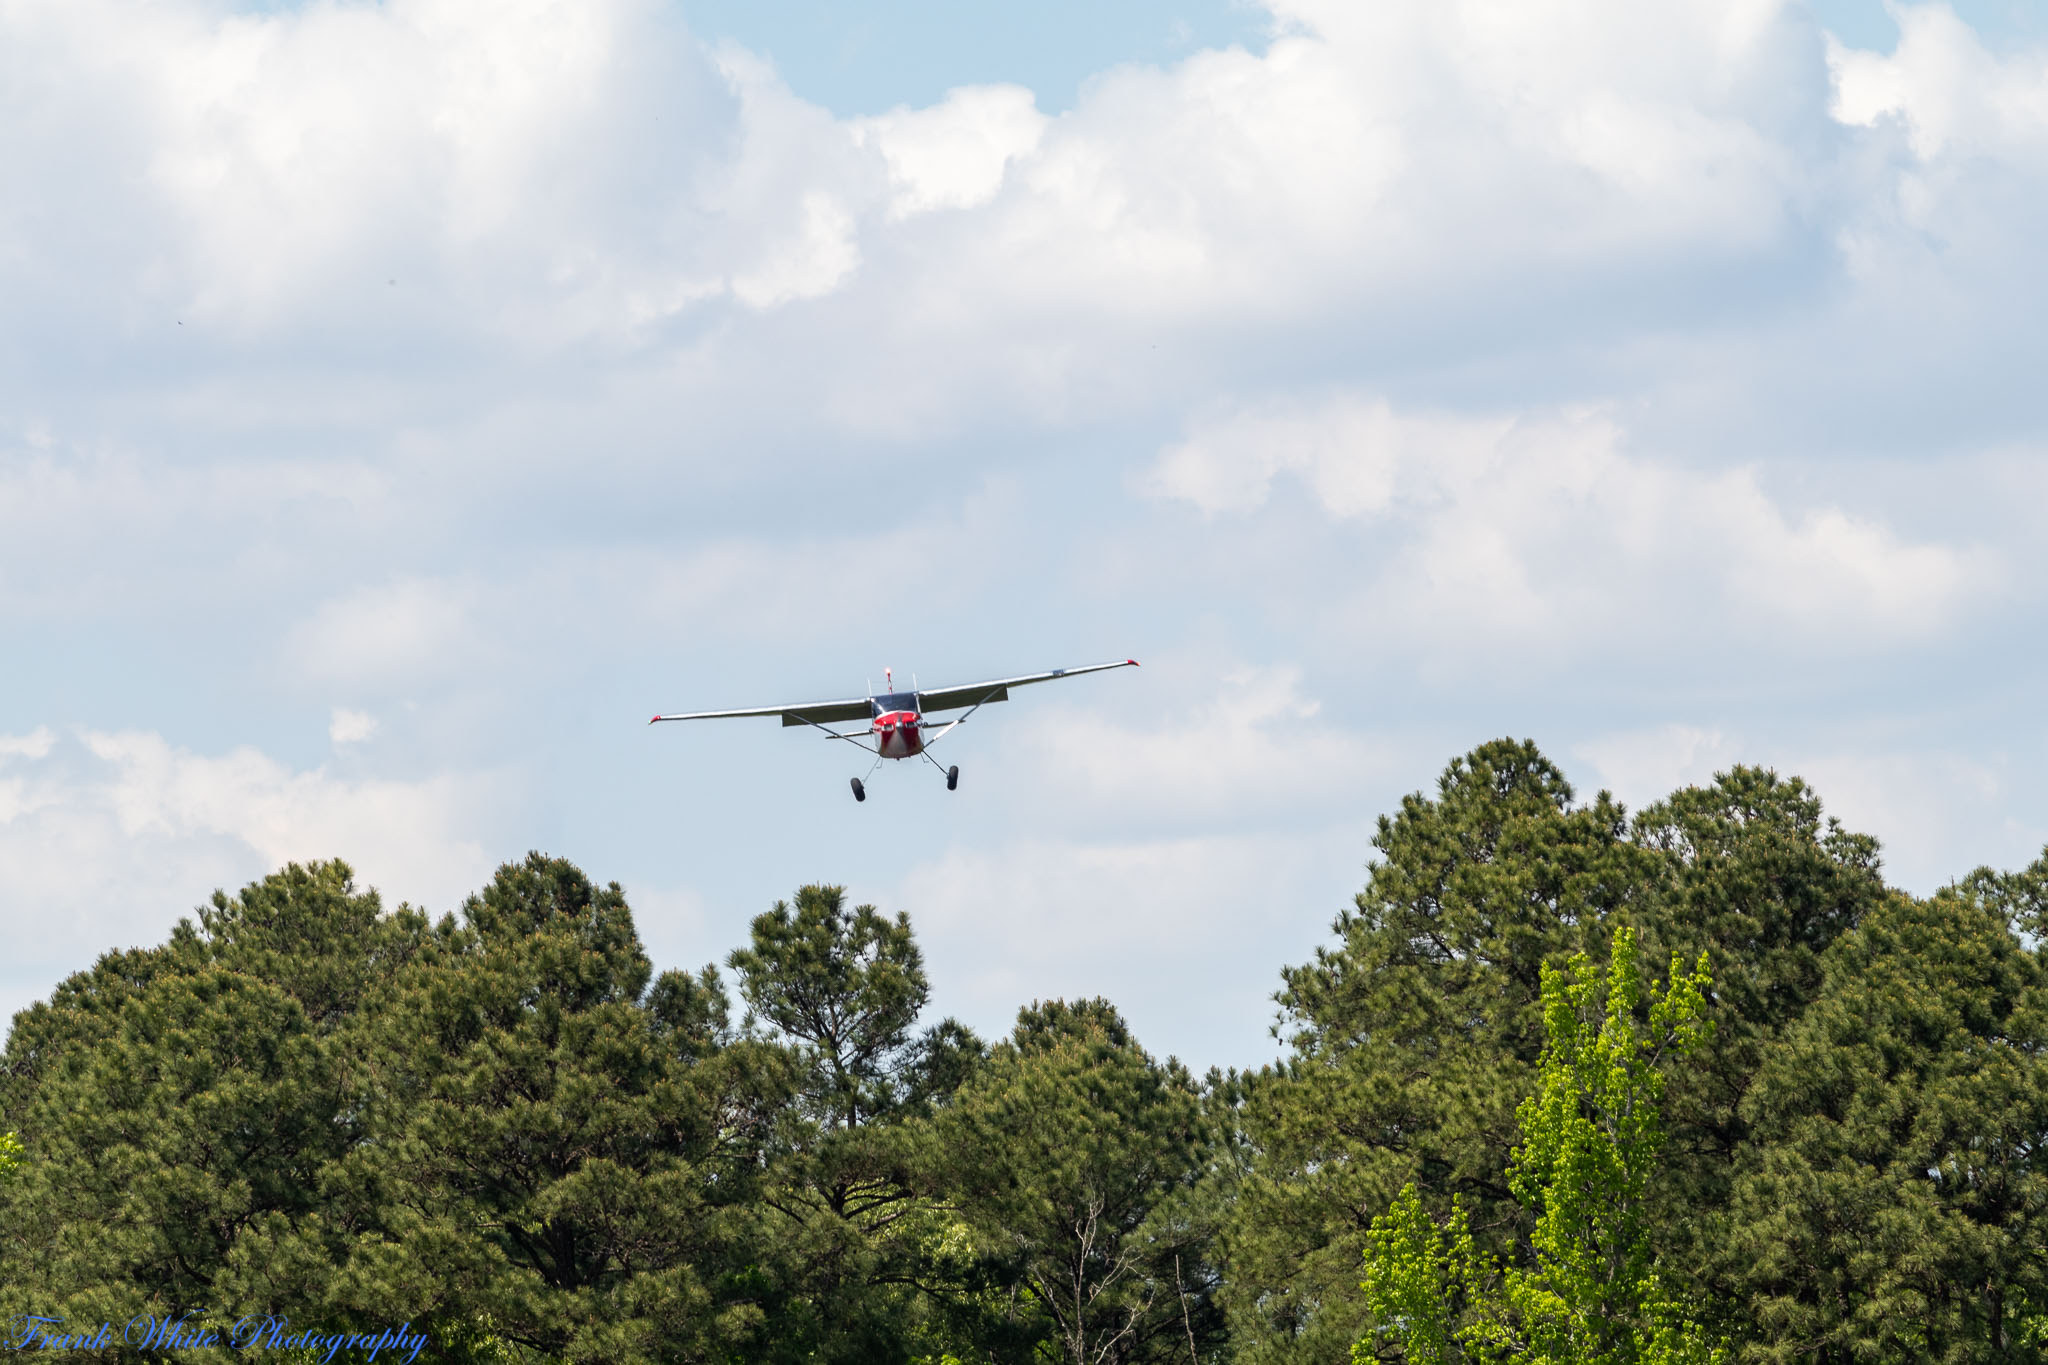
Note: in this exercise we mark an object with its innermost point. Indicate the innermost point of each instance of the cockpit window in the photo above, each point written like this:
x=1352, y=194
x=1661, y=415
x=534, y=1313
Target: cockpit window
x=895, y=701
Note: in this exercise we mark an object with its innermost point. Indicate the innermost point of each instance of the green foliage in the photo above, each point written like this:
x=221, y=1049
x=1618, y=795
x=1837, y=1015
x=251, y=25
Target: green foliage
x=1076, y=1158
x=503, y=1127
x=1416, y=1279
x=852, y=1217
x=307, y=1107
x=545, y=1153
x=846, y=988
x=2018, y=899
x=183, y=1100
x=1414, y=1038
x=1590, y=1141
x=1895, y=1205
x=1587, y=1292
x=1751, y=872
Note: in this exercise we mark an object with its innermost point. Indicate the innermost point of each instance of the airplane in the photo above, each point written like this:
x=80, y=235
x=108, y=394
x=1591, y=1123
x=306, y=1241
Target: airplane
x=896, y=720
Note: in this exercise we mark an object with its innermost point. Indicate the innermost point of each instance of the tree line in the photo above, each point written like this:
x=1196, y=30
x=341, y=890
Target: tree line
x=1566, y=1083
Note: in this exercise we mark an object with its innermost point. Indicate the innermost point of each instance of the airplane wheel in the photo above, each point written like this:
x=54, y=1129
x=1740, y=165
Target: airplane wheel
x=860, y=793
x=953, y=777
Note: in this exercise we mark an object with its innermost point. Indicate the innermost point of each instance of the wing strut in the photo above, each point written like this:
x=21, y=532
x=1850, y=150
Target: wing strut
x=948, y=728
x=854, y=740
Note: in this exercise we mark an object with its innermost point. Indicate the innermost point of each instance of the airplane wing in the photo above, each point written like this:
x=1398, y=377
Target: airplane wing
x=998, y=689
x=801, y=713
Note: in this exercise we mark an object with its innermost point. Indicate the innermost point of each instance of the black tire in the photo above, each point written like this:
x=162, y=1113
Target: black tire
x=860, y=793
x=953, y=778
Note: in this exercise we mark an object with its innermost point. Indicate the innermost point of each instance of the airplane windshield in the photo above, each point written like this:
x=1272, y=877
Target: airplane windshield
x=895, y=701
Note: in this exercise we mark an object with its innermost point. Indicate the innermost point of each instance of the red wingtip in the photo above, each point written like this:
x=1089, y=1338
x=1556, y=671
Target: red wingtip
x=1132, y=662
x=652, y=721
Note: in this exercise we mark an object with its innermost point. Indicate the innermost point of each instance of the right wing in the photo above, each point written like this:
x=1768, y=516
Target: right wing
x=998, y=689
x=801, y=713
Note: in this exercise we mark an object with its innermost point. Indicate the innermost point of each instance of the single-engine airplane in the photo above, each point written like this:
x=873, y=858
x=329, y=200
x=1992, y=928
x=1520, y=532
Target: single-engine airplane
x=896, y=720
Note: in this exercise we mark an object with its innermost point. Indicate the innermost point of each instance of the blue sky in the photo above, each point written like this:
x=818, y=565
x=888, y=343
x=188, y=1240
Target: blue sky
x=402, y=401
x=864, y=59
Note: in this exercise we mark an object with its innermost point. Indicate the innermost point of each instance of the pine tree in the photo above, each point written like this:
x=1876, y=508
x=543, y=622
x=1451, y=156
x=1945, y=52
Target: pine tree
x=307, y=1107
x=1076, y=1160
x=1414, y=1038
x=1893, y=1204
x=558, y=1157
x=855, y=1227
x=182, y=1101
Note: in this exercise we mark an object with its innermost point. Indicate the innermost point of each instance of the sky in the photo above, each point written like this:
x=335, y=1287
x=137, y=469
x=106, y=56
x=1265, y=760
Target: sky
x=400, y=402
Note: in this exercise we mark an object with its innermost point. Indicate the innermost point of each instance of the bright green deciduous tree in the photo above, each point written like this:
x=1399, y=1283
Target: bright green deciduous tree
x=1417, y=1276
x=1588, y=1291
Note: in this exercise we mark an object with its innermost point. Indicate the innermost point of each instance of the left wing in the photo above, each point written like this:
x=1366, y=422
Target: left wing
x=797, y=713
x=998, y=689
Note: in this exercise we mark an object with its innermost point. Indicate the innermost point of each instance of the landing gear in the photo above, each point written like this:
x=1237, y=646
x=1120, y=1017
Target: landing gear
x=952, y=774
x=860, y=793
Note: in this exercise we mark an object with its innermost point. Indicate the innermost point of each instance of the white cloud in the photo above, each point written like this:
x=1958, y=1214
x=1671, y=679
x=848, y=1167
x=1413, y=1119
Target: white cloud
x=407, y=836
x=818, y=256
x=1356, y=454
x=1641, y=767
x=35, y=744
x=1141, y=922
x=424, y=631
x=18, y=796
x=350, y=727
x=539, y=173
x=1938, y=813
x=1954, y=97
x=953, y=155
x=1249, y=748
x=543, y=171
x=408, y=632
x=1389, y=154
x=91, y=528
x=108, y=840
x=539, y=178
x=674, y=926
x=1546, y=520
